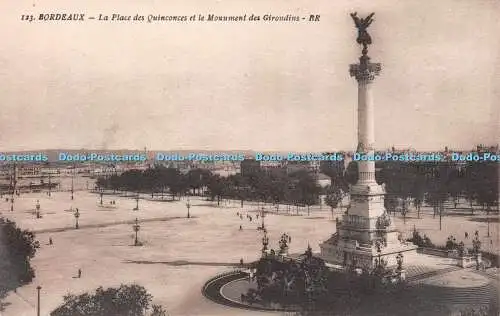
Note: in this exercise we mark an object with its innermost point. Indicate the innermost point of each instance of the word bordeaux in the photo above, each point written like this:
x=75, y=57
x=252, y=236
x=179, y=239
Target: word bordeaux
x=61, y=17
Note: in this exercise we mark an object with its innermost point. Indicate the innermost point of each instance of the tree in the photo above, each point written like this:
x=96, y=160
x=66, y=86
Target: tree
x=334, y=196
x=157, y=310
x=198, y=178
x=21, y=246
x=418, y=191
x=127, y=300
x=216, y=188
x=404, y=209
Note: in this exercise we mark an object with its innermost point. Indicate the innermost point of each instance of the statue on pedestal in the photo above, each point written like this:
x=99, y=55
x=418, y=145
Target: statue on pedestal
x=362, y=24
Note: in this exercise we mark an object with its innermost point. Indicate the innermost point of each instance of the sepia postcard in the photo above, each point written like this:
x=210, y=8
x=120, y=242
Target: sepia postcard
x=249, y=157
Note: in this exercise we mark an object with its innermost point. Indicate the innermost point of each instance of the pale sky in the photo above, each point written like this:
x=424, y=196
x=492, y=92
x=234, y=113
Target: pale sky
x=247, y=85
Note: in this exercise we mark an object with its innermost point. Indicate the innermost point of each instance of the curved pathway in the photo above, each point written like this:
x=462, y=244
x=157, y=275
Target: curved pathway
x=478, y=295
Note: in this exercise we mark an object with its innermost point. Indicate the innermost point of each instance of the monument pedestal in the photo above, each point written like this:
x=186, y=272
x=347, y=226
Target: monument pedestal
x=365, y=233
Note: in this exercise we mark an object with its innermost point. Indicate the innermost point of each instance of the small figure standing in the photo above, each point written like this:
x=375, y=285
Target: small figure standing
x=466, y=235
x=241, y=228
x=50, y=241
x=79, y=273
x=241, y=262
x=477, y=233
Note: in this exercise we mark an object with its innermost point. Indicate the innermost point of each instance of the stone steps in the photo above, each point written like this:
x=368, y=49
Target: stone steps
x=468, y=296
x=427, y=274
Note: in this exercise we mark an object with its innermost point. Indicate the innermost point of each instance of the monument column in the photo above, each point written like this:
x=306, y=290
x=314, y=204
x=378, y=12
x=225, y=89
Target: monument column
x=366, y=231
x=365, y=73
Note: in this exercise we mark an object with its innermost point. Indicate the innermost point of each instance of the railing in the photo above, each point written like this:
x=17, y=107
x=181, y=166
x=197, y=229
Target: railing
x=433, y=251
x=221, y=275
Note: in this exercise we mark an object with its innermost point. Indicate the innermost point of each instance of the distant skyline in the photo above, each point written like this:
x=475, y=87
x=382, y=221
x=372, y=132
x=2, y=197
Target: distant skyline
x=252, y=86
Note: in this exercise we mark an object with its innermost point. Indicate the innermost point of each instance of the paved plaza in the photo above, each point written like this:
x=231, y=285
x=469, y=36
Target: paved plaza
x=179, y=255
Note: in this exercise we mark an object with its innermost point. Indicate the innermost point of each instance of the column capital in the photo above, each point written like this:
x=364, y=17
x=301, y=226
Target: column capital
x=365, y=72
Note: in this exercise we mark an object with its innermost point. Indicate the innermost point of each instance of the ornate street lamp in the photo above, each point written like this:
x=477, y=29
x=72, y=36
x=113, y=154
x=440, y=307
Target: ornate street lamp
x=136, y=202
x=77, y=215
x=265, y=243
x=188, y=205
x=476, y=246
x=37, y=208
x=136, y=227
x=262, y=215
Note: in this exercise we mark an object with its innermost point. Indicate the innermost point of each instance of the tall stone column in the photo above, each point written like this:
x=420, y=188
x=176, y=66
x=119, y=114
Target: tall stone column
x=365, y=73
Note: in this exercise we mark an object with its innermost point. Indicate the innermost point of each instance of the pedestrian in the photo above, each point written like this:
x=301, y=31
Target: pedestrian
x=79, y=273
x=477, y=233
x=241, y=228
x=257, y=216
x=466, y=235
x=241, y=262
x=50, y=241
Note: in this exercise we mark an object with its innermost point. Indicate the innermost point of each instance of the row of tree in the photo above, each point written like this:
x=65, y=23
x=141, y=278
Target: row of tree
x=299, y=188
x=430, y=182
x=416, y=182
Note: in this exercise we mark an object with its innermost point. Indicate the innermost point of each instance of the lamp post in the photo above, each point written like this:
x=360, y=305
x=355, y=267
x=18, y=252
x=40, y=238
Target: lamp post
x=476, y=246
x=188, y=205
x=262, y=215
x=12, y=203
x=37, y=208
x=38, y=288
x=136, y=227
x=136, y=202
x=265, y=242
x=77, y=215
x=50, y=183
x=72, y=183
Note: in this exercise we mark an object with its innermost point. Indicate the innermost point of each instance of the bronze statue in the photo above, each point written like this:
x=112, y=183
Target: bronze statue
x=362, y=24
